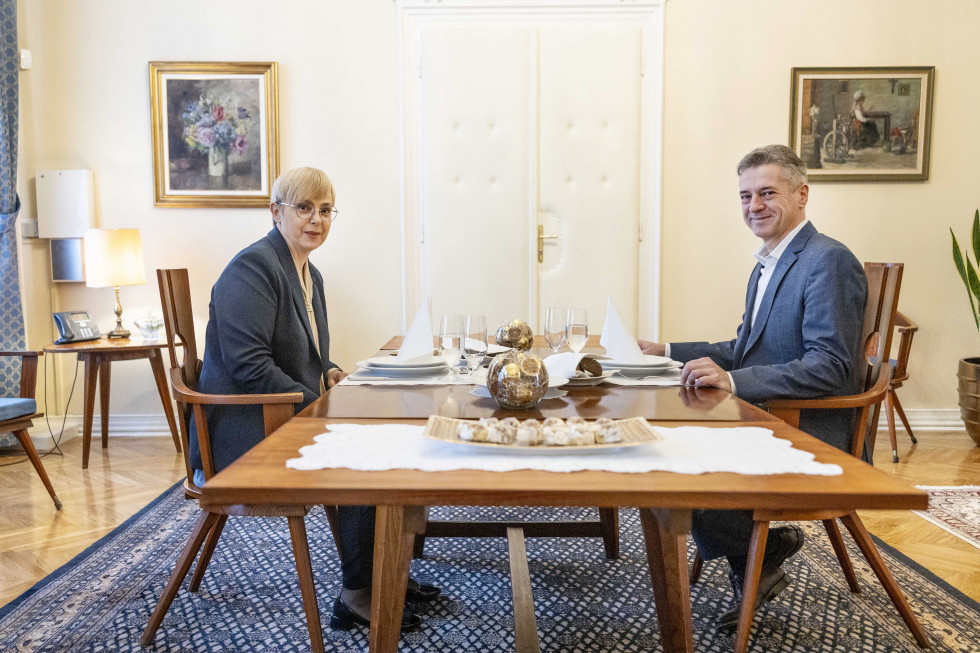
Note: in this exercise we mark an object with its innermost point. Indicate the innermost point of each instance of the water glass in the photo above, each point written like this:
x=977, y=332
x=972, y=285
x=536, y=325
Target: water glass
x=554, y=327
x=475, y=341
x=577, y=329
x=451, y=339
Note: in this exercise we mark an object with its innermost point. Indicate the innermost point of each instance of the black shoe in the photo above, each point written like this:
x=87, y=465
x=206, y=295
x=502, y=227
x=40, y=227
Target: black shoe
x=344, y=618
x=420, y=592
x=772, y=581
x=782, y=543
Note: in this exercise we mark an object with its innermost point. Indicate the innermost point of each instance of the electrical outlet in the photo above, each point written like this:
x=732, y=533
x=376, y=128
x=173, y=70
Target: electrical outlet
x=28, y=228
x=26, y=59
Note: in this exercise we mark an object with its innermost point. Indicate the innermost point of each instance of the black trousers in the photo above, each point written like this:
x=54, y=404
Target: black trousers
x=723, y=533
x=356, y=526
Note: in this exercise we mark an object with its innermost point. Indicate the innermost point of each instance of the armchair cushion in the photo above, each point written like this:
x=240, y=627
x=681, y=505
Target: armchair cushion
x=11, y=408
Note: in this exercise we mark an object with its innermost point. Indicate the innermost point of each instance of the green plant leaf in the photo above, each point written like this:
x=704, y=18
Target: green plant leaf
x=974, y=286
x=962, y=269
x=958, y=261
x=971, y=273
x=976, y=236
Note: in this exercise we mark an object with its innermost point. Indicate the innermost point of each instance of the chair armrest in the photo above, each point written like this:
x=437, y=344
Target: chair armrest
x=868, y=398
x=905, y=325
x=185, y=395
x=22, y=354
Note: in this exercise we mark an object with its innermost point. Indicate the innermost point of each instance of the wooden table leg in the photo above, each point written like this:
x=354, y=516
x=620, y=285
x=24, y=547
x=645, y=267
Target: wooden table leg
x=665, y=533
x=757, y=550
x=394, y=535
x=88, y=400
x=104, y=376
x=160, y=377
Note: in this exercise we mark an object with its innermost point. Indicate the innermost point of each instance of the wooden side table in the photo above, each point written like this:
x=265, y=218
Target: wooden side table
x=98, y=355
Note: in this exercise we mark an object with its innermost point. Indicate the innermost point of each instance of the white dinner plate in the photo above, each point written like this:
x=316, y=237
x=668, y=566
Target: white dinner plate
x=649, y=360
x=400, y=372
x=643, y=371
x=591, y=380
x=392, y=361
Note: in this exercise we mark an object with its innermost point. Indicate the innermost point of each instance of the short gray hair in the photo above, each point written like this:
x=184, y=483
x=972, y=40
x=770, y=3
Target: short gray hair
x=794, y=170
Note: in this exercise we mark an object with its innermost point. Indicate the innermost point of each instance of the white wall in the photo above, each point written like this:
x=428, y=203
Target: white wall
x=727, y=79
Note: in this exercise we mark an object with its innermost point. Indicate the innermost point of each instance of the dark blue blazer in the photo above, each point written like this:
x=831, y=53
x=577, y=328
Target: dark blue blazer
x=259, y=341
x=806, y=340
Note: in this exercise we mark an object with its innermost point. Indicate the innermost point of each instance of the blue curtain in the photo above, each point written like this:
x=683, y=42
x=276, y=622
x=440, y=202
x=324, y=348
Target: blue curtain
x=11, y=311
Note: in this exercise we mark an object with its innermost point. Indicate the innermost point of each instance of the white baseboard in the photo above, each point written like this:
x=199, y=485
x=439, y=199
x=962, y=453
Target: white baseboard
x=925, y=419
x=920, y=419
x=119, y=425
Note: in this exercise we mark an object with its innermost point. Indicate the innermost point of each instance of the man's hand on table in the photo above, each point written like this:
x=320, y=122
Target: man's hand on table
x=334, y=376
x=655, y=348
x=702, y=372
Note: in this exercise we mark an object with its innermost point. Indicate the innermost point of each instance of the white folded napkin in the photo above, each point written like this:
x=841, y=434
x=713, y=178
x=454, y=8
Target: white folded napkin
x=563, y=365
x=418, y=341
x=619, y=341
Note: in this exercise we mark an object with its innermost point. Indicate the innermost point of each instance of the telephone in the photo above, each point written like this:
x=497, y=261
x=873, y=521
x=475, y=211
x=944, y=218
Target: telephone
x=76, y=326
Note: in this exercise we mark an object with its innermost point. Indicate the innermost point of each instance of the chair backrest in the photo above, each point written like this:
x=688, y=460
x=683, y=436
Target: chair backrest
x=884, y=285
x=178, y=320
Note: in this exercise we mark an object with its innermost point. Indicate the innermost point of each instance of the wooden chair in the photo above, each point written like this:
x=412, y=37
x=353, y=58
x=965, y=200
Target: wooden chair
x=884, y=284
x=18, y=414
x=276, y=409
x=906, y=329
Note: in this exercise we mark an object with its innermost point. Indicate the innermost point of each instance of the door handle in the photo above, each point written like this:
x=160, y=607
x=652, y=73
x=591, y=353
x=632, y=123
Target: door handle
x=541, y=237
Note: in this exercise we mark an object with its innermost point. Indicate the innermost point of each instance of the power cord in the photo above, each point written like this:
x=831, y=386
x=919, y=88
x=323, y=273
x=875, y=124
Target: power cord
x=64, y=419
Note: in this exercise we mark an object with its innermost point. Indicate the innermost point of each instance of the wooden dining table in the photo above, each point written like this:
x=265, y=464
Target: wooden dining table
x=665, y=500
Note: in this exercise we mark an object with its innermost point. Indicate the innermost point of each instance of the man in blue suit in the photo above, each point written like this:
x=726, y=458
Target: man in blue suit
x=799, y=339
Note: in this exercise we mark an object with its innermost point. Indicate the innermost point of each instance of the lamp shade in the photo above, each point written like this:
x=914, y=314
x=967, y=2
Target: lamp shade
x=113, y=257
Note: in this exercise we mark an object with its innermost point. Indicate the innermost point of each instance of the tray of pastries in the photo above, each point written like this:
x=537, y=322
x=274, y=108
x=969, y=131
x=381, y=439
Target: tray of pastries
x=552, y=435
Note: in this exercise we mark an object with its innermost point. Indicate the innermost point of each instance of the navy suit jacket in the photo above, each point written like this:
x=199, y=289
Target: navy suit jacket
x=259, y=341
x=806, y=339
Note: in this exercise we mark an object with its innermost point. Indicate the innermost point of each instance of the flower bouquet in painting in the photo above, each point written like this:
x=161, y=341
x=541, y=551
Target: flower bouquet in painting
x=216, y=128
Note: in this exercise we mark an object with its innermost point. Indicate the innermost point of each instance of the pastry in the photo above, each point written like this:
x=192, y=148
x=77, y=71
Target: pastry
x=529, y=434
x=590, y=366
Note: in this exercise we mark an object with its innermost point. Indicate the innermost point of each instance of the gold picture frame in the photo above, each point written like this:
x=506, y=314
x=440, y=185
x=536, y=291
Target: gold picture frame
x=215, y=133
x=863, y=124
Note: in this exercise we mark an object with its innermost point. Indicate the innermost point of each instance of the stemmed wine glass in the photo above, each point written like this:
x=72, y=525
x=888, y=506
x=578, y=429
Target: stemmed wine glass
x=451, y=341
x=474, y=341
x=554, y=328
x=577, y=329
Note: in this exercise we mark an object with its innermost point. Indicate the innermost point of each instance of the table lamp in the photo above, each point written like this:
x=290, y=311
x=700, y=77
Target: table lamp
x=114, y=257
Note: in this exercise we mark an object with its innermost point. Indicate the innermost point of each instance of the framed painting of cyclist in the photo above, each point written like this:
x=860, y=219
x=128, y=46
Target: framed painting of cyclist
x=861, y=124
x=215, y=133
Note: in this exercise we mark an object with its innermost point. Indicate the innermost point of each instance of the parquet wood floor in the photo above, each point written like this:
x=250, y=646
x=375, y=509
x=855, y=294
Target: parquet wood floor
x=35, y=539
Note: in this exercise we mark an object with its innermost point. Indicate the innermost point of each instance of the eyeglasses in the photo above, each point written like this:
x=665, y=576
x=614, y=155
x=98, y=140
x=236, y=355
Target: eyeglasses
x=304, y=211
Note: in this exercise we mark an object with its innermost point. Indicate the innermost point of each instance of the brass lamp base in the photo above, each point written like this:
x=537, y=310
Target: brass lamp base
x=119, y=331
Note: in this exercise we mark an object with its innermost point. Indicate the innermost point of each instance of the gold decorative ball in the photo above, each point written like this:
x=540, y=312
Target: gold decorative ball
x=515, y=334
x=517, y=380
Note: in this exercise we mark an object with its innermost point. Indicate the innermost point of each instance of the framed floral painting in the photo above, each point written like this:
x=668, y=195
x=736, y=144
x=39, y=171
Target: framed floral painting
x=862, y=124
x=215, y=133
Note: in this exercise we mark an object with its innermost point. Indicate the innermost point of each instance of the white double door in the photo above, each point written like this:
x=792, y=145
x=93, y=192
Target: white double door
x=528, y=125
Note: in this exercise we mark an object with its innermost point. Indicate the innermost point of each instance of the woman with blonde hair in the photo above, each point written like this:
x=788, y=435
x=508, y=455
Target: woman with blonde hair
x=267, y=333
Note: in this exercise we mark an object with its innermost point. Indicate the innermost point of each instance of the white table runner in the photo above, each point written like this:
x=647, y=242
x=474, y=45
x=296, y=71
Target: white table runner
x=685, y=450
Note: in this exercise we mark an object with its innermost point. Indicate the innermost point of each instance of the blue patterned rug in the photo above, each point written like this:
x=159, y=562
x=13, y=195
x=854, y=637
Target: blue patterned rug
x=250, y=598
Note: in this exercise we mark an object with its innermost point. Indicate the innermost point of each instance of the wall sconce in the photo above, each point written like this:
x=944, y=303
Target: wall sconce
x=114, y=257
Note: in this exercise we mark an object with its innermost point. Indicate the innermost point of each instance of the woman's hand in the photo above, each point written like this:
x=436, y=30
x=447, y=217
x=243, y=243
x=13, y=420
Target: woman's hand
x=334, y=376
